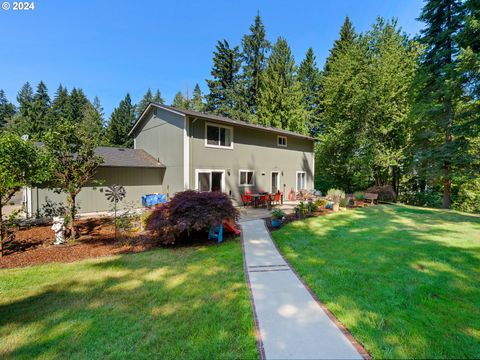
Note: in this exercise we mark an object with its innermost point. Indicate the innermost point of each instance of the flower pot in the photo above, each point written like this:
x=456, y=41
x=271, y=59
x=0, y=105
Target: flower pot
x=336, y=207
x=276, y=223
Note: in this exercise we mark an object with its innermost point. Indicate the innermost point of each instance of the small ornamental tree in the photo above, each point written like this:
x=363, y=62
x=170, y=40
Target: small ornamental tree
x=20, y=165
x=72, y=149
x=190, y=211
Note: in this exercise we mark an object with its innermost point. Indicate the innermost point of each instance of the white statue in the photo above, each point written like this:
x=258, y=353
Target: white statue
x=59, y=228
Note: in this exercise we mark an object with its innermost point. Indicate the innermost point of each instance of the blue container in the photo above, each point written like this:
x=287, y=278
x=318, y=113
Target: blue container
x=153, y=199
x=276, y=223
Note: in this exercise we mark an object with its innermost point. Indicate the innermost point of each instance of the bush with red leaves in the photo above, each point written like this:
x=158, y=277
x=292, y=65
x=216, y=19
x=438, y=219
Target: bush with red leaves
x=190, y=211
x=385, y=193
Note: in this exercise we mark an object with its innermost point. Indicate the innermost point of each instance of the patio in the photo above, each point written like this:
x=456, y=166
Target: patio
x=252, y=213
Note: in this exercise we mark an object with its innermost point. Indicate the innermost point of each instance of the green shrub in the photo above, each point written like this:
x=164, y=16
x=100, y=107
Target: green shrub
x=359, y=195
x=344, y=202
x=428, y=199
x=278, y=214
x=320, y=203
x=468, y=197
x=336, y=195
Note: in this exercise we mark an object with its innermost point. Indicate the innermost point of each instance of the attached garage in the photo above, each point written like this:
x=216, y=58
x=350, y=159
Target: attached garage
x=135, y=169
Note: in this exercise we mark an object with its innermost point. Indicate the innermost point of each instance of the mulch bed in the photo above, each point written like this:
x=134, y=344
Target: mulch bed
x=34, y=245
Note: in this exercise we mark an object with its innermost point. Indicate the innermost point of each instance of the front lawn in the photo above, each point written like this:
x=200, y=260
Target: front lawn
x=168, y=303
x=404, y=280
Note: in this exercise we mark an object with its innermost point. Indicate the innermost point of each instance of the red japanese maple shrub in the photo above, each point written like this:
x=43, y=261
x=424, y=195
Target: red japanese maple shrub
x=190, y=211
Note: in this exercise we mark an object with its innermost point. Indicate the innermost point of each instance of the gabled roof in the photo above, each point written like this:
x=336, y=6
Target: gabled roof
x=122, y=157
x=216, y=118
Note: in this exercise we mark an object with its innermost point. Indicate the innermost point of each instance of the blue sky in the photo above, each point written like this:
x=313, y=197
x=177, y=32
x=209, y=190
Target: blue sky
x=109, y=48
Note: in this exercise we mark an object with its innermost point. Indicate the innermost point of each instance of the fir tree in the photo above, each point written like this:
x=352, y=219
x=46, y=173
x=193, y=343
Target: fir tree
x=309, y=78
x=180, y=101
x=77, y=103
x=25, y=100
x=61, y=105
x=40, y=119
x=7, y=110
x=158, y=97
x=344, y=42
x=121, y=122
x=142, y=105
x=197, y=100
x=280, y=101
x=93, y=118
x=225, y=88
x=441, y=146
x=255, y=48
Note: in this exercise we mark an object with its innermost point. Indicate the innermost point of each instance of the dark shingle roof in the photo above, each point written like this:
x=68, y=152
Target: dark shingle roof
x=121, y=157
x=222, y=119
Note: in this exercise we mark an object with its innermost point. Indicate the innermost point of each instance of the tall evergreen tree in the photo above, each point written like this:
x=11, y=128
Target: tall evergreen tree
x=158, y=97
x=148, y=98
x=225, y=87
x=77, y=103
x=93, y=118
x=7, y=110
x=280, y=101
x=255, y=48
x=309, y=78
x=180, y=101
x=197, y=100
x=41, y=115
x=142, y=105
x=442, y=147
x=121, y=122
x=61, y=105
x=344, y=42
x=25, y=100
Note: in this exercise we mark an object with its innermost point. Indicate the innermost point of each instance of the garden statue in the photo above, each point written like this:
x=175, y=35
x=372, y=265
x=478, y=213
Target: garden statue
x=59, y=228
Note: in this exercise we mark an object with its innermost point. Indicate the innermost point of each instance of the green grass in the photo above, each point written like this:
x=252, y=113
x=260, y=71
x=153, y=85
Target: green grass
x=184, y=303
x=405, y=281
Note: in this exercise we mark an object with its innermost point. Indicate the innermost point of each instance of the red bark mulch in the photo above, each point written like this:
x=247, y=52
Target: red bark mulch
x=34, y=245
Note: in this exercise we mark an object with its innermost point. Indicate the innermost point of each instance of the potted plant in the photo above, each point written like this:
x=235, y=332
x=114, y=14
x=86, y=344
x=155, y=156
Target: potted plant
x=358, y=197
x=277, y=216
x=336, y=195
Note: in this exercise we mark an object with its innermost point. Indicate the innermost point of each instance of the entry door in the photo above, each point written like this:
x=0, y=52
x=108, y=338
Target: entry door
x=275, y=182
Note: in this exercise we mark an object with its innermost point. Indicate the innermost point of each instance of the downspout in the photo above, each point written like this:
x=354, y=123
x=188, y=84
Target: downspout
x=190, y=139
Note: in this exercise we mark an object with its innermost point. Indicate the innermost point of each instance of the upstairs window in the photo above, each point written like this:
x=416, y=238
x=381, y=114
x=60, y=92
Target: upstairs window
x=282, y=141
x=219, y=136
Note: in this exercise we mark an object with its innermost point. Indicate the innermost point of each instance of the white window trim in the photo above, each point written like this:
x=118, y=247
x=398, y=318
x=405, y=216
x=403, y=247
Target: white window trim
x=278, y=181
x=296, y=180
x=209, y=171
x=286, y=141
x=239, y=177
x=219, y=126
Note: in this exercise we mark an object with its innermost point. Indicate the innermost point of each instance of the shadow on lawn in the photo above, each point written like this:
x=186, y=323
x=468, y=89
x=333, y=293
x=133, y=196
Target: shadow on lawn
x=184, y=303
x=405, y=280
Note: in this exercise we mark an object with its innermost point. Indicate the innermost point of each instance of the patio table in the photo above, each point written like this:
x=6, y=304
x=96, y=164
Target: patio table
x=256, y=198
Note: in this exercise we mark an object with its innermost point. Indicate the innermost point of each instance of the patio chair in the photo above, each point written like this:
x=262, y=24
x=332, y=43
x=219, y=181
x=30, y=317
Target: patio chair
x=277, y=198
x=247, y=200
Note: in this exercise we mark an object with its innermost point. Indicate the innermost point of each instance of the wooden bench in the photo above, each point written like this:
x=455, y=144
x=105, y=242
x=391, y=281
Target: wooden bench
x=372, y=197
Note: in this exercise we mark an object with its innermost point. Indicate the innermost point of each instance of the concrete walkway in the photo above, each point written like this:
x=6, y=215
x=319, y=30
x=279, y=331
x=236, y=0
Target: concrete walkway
x=292, y=323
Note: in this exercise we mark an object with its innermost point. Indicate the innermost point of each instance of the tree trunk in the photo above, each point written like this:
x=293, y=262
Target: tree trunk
x=1, y=230
x=73, y=229
x=447, y=190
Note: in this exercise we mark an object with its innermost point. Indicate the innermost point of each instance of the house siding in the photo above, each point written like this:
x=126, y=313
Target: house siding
x=255, y=150
x=161, y=134
x=137, y=182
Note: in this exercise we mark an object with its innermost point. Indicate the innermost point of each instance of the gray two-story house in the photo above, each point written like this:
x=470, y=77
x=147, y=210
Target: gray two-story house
x=177, y=149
